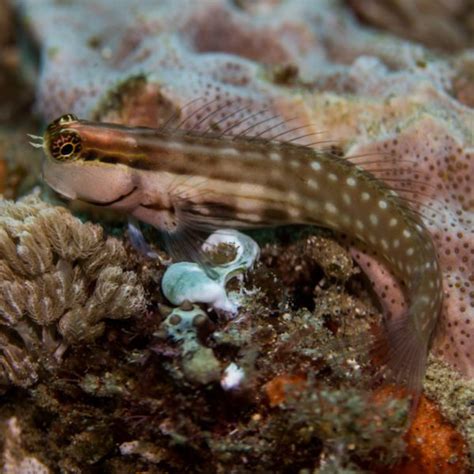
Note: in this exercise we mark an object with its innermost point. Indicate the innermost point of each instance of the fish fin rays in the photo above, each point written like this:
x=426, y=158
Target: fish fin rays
x=241, y=118
x=137, y=239
x=186, y=245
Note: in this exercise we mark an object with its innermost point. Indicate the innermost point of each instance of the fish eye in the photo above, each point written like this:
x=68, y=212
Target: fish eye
x=65, y=119
x=65, y=146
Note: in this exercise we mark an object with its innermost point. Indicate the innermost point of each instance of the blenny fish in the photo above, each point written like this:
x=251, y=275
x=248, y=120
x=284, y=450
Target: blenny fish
x=181, y=181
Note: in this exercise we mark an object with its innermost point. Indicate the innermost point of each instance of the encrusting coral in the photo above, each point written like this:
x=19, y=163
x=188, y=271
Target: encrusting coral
x=15, y=459
x=446, y=25
x=59, y=280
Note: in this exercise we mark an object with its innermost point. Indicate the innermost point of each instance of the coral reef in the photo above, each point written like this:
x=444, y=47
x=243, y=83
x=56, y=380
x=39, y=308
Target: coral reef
x=446, y=25
x=99, y=374
x=375, y=95
x=182, y=388
x=454, y=395
x=198, y=363
x=60, y=279
x=15, y=459
x=433, y=444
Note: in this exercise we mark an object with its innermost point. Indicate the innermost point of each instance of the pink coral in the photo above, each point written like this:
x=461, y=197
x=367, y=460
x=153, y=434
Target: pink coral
x=369, y=91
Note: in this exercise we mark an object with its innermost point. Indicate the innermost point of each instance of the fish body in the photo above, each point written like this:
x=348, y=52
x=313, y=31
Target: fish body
x=177, y=180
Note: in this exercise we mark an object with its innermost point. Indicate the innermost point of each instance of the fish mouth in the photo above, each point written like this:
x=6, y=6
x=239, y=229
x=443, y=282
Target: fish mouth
x=113, y=201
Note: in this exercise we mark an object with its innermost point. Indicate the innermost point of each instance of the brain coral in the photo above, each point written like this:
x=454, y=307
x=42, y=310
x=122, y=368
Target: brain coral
x=369, y=91
x=59, y=279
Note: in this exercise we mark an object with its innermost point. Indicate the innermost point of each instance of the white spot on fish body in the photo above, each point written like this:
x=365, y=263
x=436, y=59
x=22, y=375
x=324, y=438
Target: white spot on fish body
x=383, y=204
x=393, y=222
x=346, y=198
x=424, y=299
x=313, y=184
x=229, y=151
x=275, y=156
x=294, y=212
x=173, y=145
x=406, y=233
x=359, y=224
x=365, y=196
x=316, y=165
x=410, y=251
x=332, y=177
x=330, y=207
x=396, y=243
x=351, y=181
x=374, y=219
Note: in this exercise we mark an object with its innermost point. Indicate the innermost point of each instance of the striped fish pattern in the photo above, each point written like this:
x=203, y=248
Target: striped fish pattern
x=180, y=181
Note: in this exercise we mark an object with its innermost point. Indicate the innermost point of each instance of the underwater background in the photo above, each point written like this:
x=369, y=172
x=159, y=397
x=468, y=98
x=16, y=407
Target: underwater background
x=112, y=359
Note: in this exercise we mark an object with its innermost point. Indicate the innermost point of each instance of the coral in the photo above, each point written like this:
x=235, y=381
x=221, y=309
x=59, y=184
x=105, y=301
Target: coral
x=279, y=387
x=60, y=279
x=342, y=419
x=446, y=25
x=15, y=459
x=181, y=387
x=230, y=253
x=373, y=94
x=433, y=445
x=186, y=281
x=146, y=450
x=198, y=363
x=441, y=433
x=454, y=396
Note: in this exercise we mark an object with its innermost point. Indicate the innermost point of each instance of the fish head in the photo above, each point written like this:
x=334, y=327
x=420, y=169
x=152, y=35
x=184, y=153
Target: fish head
x=70, y=167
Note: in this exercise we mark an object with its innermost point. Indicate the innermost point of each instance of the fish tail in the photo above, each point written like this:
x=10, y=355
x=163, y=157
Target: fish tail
x=406, y=353
x=406, y=339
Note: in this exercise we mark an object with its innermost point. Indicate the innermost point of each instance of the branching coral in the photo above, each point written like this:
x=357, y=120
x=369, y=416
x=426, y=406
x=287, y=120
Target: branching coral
x=60, y=279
